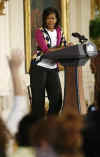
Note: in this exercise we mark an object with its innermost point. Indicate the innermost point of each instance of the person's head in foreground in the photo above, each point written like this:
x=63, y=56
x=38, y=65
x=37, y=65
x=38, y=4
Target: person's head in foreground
x=59, y=135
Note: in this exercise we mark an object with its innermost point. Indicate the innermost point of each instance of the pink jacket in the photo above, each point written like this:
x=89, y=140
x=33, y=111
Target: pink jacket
x=41, y=41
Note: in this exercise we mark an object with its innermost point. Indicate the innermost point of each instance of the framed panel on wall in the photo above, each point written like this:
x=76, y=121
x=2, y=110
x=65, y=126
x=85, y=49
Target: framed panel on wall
x=95, y=8
x=32, y=19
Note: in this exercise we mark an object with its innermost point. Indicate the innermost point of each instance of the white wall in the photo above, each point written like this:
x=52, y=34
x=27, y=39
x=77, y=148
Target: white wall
x=11, y=36
x=16, y=24
x=4, y=49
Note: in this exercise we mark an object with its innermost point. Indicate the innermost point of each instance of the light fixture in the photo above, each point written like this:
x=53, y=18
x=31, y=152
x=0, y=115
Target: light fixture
x=2, y=6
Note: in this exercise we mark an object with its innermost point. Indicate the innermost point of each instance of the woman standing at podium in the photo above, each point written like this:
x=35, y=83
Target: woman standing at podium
x=44, y=72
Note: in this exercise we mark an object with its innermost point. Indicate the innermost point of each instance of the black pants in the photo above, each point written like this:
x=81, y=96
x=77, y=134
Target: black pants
x=41, y=79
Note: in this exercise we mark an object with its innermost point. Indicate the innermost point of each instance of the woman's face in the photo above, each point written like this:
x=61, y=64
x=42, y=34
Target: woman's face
x=51, y=21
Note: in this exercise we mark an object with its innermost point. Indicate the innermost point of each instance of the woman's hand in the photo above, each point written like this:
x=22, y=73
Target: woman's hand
x=70, y=44
x=17, y=57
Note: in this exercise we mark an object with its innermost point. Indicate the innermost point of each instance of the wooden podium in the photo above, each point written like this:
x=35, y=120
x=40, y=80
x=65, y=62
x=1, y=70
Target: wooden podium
x=72, y=60
x=71, y=95
x=73, y=92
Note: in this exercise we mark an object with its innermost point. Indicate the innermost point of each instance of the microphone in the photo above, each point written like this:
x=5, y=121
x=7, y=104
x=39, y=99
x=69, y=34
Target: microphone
x=79, y=36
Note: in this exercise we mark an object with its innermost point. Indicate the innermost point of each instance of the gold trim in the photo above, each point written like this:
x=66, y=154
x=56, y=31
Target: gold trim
x=92, y=9
x=68, y=19
x=27, y=12
x=65, y=9
x=95, y=5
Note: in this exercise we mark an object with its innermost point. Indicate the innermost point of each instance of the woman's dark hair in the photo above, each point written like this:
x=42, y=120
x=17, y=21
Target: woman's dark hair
x=91, y=108
x=4, y=138
x=22, y=136
x=62, y=133
x=47, y=12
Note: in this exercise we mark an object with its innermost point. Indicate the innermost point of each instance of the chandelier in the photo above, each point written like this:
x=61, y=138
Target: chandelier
x=2, y=6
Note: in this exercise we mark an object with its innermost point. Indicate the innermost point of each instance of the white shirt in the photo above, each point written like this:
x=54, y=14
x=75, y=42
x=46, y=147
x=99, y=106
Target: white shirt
x=46, y=63
x=53, y=37
x=19, y=110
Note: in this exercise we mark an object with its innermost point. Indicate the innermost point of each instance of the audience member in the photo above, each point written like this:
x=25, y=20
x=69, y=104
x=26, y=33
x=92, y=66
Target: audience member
x=91, y=132
x=23, y=137
x=91, y=108
x=58, y=136
x=19, y=108
x=4, y=139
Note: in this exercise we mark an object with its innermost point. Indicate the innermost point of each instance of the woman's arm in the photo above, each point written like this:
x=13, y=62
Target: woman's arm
x=43, y=45
x=15, y=63
x=40, y=40
x=59, y=48
x=19, y=108
x=55, y=49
